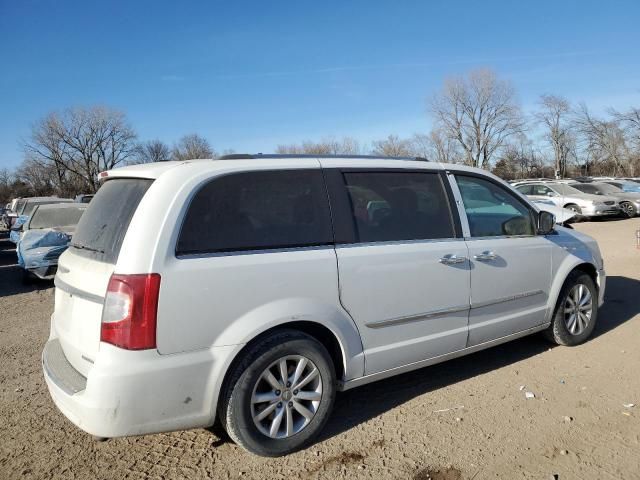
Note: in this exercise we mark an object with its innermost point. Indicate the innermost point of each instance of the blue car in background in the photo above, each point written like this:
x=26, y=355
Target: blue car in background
x=625, y=186
x=45, y=236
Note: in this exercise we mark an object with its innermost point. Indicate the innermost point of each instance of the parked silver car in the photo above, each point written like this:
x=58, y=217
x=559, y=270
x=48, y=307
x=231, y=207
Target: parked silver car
x=629, y=201
x=564, y=195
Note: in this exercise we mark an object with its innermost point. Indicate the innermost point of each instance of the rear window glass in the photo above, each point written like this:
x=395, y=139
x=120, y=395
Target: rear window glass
x=257, y=210
x=56, y=217
x=104, y=224
x=30, y=206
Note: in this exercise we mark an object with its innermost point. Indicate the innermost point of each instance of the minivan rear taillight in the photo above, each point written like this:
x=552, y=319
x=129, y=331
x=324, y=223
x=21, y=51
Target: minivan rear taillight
x=130, y=311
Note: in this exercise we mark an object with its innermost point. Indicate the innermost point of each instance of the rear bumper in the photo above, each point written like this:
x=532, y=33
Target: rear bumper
x=137, y=392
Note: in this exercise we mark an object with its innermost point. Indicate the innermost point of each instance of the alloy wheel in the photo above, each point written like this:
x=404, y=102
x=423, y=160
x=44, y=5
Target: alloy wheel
x=628, y=209
x=578, y=307
x=286, y=396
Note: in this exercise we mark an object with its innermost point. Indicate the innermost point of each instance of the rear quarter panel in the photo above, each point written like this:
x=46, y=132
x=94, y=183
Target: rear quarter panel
x=229, y=299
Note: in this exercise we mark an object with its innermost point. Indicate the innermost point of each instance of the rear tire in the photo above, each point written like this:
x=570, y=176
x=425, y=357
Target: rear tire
x=576, y=311
x=255, y=386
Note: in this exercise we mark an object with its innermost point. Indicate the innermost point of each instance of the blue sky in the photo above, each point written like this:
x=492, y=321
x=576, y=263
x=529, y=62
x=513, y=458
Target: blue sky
x=252, y=75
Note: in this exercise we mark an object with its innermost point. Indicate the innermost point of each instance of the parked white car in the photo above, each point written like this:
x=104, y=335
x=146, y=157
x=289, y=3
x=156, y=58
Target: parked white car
x=252, y=290
x=564, y=195
x=563, y=216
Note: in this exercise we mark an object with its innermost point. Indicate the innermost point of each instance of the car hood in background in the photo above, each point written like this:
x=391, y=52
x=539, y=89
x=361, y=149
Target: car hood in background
x=41, y=248
x=563, y=215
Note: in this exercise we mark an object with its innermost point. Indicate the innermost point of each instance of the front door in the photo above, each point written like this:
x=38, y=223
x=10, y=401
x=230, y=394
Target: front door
x=405, y=276
x=510, y=263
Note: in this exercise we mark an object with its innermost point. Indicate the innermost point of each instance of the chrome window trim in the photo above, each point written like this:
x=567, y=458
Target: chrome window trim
x=498, y=237
x=391, y=243
x=255, y=251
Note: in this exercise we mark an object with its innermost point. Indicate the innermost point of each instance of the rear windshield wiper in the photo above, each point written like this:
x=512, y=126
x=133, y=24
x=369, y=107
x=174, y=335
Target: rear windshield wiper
x=84, y=247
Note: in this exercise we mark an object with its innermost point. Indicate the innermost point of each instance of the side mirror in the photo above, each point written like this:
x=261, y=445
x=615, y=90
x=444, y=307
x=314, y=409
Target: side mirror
x=551, y=194
x=546, y=222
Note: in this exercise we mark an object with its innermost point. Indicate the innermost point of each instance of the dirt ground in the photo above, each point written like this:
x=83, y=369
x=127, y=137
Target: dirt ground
x=465, y=419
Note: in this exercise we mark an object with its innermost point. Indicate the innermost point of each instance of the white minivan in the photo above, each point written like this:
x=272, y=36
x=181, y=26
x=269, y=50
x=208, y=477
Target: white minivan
x=250, y=289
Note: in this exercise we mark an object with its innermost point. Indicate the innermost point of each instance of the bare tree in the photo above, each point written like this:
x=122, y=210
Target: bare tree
x=328, y=146
x=479, y=112
x=603, y=141
x=554, y=115
x=440, y=147
x=80, y=143
x=39, y=178
x=630, y=123
x=191, y=147
x=520, y=159
x=393, y=146
x=152, y=151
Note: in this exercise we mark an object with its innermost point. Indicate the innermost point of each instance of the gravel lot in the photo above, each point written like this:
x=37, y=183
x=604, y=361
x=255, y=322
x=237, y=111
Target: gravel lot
x=465, y=419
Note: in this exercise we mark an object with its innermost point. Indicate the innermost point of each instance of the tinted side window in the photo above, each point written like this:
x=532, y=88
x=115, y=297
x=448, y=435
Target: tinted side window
x=541, y=190
x=389, y=206
x=525, y=189
x=258, y=210
x=492, y=210
x=586, y=188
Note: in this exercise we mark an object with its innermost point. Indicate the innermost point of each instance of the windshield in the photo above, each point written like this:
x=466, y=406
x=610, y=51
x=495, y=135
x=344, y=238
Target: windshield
x=102, y=228
x=565, y=189
x=57, y=217
x=19, y=206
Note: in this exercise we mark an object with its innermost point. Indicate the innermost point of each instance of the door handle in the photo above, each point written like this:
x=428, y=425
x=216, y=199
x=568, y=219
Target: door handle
x=485, y=256
x=452, y=259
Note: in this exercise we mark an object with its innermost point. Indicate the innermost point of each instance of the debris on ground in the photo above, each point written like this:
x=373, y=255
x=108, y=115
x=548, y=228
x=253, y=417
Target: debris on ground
x=529, y=395
x=457, y=407
x=628, y=405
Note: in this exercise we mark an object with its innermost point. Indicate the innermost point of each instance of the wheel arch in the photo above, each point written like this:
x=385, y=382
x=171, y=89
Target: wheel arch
x=561, y=278
x=343, y=365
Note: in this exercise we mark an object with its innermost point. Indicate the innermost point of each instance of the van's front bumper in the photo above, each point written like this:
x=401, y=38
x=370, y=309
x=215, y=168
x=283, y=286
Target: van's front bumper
x=137, y=392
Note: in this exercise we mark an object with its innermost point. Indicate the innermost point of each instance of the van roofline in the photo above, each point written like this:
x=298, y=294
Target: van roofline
x=253, y=156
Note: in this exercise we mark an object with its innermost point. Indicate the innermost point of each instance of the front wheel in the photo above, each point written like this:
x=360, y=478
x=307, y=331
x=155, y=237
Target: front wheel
x=576, y=311
x=574, y=208
x=628, y=209
x=279, y=396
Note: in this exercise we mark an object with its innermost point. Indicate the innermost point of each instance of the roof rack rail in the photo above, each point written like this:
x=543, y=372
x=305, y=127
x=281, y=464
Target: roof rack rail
x=250, y=156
